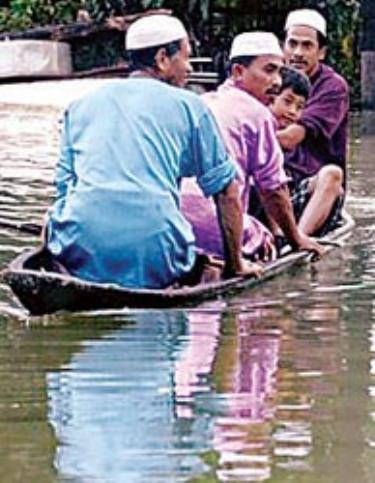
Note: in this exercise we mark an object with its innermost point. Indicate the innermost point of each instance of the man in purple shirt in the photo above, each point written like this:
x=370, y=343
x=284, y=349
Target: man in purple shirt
x=248, y=129
x=316, y=145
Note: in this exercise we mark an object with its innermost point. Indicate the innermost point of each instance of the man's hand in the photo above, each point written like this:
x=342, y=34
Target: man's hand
x=247, y=269
x=267, y=252
x=311, y=245
x=251, y=269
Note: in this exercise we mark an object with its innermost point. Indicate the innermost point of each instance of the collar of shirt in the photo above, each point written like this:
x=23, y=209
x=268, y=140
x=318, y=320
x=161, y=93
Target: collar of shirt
x=232, y=84
x=316, y=74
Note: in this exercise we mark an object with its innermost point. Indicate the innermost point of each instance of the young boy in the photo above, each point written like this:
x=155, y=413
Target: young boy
x=287, y=107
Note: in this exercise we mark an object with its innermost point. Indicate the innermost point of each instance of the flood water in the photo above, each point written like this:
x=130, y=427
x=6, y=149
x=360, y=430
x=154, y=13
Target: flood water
x=275, y=384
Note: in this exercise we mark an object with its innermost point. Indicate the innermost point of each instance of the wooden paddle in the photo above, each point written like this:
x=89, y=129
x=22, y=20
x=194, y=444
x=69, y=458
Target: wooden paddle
x=24, y=227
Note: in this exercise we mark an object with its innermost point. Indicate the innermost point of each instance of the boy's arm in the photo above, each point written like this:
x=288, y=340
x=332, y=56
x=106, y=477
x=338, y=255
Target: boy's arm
x=291, y=136
x=321, y=117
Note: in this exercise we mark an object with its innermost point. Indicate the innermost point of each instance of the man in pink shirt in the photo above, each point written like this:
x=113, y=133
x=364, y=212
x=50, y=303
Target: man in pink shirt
x=248, y=129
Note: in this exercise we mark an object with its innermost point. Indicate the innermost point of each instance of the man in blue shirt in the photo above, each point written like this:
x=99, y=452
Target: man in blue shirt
x=125, y=148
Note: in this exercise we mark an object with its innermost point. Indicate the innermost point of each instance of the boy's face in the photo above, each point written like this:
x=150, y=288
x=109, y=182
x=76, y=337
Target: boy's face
x=287, y=107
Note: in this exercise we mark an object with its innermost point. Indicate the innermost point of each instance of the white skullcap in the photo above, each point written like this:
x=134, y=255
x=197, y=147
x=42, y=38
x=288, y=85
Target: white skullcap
x=307, y=18
x=153, y=30
x=255, y=43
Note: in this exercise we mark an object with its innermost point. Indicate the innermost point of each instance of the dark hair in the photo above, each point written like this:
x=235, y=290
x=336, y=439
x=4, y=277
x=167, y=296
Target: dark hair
x=244, y=60
x=141, y=58
x=295, y=80
x=322, y=40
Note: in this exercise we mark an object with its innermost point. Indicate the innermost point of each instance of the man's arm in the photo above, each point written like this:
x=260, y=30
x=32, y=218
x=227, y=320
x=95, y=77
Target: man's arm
x=64, y=173
x=278, y=206
x=231, y=223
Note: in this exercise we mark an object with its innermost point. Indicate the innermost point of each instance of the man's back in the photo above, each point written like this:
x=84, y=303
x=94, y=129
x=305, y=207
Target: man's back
x=126, y=146
x=117, y=135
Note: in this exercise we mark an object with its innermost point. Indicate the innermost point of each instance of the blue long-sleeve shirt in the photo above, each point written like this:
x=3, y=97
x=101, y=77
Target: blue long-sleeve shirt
x=125, y=148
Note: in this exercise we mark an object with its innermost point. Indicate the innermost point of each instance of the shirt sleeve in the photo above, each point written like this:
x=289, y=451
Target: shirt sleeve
x=265, y=158
x=65, y=175
x=212, y=165
x=324, y=113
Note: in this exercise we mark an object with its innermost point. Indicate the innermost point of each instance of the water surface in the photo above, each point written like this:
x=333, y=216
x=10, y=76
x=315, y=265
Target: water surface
x=275, y=384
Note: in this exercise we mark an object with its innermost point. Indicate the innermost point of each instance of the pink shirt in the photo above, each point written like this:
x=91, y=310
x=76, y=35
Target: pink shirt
x=248, y=129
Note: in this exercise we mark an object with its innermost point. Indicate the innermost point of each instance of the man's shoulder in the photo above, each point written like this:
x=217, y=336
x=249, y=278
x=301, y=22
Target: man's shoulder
x=150, y=89
x=329, y=76
x=185, y=98
x=228, y=90
x=186, y=95
x=99, y=95
x=238, y=102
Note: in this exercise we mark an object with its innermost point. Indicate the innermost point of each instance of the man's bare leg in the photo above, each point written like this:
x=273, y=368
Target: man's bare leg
x=325, y=187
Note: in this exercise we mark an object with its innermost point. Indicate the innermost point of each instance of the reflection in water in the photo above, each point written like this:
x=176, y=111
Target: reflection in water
x=194, y=365
x=135, y=405
x=275, y=384
x=148, y=401
x=113, y=406
x=243, y=433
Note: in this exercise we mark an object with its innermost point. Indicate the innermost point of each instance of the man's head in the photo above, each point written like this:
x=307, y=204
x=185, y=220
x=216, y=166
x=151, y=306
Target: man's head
x=287, y=107
x=305, y=40
x=256, y=59
x=160, y=44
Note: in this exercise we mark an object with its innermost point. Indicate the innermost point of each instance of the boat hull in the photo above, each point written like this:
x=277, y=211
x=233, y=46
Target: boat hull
x=43, y=291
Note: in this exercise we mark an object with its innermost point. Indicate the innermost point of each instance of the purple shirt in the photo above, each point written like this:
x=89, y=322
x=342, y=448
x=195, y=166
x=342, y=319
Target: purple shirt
x=325, y=118
x=248, y=129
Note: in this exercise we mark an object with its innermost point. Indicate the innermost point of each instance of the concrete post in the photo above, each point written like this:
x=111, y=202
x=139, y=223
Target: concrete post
x=367, y=46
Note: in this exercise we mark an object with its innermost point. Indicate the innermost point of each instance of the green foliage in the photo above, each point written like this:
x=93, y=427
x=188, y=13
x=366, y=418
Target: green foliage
x=343, y=55
x=104, y=52
x=99, y=10
x=24, y=14
x=212, y=23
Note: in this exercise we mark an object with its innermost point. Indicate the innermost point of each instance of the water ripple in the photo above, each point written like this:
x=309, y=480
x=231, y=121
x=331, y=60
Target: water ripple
x=251, y=388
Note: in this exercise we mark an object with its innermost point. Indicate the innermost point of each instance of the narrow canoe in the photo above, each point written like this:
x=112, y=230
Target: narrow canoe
x=43, y=291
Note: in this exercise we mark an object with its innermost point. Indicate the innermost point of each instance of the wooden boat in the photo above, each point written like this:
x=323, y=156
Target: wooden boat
x=35, y=280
